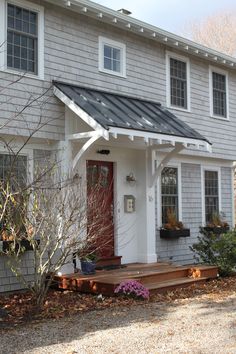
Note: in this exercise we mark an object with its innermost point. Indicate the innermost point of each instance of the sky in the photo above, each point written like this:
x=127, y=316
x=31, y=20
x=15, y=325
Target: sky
x=171, y=15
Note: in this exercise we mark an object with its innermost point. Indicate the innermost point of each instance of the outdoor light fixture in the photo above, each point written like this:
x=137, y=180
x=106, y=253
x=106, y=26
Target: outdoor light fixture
x=131, y=178
x=103, y=152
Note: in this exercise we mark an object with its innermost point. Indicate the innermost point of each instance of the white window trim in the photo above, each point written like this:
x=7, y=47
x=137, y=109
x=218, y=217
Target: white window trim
x=203, y=169
x=172, y=55
x=222, y=72
x=159, y=195
x=103, y=41
x=3, y=37
x=29, y=155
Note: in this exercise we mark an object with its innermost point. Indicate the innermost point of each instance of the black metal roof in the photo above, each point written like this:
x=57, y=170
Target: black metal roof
x=114, y=110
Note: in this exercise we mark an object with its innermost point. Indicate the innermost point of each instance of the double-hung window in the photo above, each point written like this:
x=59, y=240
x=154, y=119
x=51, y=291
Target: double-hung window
x=211, y=184
x=218, y=87
x=112, y=57
x=22, y=37
x=169, y=192
x=177, y=82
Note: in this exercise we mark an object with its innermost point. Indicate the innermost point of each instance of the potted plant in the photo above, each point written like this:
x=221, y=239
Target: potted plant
x=217, y=225
x=88, y=263
x=173, y=228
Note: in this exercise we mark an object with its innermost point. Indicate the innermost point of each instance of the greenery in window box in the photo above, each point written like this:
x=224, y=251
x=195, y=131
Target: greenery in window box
x=216, y=249
x=173, y=228
x=14, y=235
x=217, y=225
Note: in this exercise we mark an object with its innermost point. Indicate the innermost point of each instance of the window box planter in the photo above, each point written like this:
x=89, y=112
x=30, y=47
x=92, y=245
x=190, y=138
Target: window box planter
x=217, y=230
x=6, y=245
x=172, y=234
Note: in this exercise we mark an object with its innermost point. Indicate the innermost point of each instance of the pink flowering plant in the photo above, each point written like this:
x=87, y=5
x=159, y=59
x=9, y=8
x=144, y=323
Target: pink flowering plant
x=132, y=288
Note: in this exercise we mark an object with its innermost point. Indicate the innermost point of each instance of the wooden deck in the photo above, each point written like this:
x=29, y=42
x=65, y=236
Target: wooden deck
x=157, y=277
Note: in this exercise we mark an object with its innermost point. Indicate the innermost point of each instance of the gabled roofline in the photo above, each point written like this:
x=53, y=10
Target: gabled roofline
x=128, y=23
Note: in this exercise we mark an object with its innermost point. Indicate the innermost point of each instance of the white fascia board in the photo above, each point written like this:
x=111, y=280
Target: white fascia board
x=148, y=30
x=81, y=113
x=156, y=136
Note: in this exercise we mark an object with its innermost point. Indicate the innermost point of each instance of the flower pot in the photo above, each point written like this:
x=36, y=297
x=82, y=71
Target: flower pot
x=87, y=267
x=172, y=234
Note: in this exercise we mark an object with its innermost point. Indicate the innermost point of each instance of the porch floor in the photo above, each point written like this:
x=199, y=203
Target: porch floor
x=157, y=277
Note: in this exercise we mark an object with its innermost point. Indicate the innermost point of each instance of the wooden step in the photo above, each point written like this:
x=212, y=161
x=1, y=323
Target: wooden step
x=156, y=277
x=109, y=261
x=168, y=285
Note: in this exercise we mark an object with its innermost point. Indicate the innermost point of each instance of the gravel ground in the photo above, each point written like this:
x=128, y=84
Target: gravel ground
x=199, y=325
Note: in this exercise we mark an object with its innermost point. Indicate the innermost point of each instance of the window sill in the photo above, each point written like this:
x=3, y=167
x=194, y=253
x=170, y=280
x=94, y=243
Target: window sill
x=178, y=109
x=23, y=75
x=225, y=119
x=112, y=73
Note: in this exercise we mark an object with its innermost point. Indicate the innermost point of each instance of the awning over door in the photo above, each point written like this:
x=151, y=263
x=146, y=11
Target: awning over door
x=119, y=114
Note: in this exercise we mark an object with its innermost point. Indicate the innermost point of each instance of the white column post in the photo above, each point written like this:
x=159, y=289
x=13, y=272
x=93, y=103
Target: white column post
x=65, y=160
x=150, y=208
x=147, y=224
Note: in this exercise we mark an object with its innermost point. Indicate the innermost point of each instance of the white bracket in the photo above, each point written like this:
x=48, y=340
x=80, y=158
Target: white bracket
x=154, y=176
x=84, y=148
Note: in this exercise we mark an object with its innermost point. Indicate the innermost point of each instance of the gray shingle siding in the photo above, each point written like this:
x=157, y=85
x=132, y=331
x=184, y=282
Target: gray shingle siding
x=178, y=250
x=71, y=54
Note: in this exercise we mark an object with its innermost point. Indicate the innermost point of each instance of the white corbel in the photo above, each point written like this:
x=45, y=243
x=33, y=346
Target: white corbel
x=154, y=176
x=84, y=148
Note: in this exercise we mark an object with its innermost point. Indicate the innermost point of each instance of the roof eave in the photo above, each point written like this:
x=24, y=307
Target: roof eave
x=146, y=30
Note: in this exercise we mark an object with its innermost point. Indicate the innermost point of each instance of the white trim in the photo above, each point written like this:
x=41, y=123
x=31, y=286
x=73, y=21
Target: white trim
x=84, y=135
x=114, y=44
x=121, y=21
x=26, y=151
x=232, y=196
x=225, y=73
x=203, y=169
x=159, y=195
x=161, y=137
x=186, y=60
x=3, y=37
x=80, y=113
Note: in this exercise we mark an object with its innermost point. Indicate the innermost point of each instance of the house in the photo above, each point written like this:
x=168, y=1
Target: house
x=148, y=110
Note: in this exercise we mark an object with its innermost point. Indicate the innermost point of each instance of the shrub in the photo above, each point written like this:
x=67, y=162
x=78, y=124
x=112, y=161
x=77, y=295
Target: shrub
x=219, y=250
x=132, y=288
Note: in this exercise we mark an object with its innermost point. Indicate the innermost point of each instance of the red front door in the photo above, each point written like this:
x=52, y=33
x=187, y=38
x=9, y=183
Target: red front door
x=100, y=207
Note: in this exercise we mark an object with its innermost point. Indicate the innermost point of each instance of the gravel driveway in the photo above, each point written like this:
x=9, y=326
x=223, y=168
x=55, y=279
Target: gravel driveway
x=199, y=325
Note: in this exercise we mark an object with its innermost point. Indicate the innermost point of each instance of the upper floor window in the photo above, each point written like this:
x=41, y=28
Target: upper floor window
x=218, y=87
x=112, y=57
x=169, y=192
x=211, y=180
x=22, y=37
x=177, y=81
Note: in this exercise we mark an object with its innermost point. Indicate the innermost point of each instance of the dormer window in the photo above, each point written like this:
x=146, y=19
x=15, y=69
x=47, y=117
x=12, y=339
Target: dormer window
x=112, y=57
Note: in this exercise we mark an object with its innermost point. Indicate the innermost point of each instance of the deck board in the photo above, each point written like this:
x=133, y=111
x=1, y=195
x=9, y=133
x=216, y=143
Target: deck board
x=157, y=276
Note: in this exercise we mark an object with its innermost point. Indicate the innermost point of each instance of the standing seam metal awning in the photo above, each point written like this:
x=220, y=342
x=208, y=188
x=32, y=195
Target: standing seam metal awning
x=113, y=111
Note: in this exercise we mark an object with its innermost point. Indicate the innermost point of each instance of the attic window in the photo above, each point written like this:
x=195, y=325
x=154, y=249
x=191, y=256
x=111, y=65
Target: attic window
x=112, y=57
